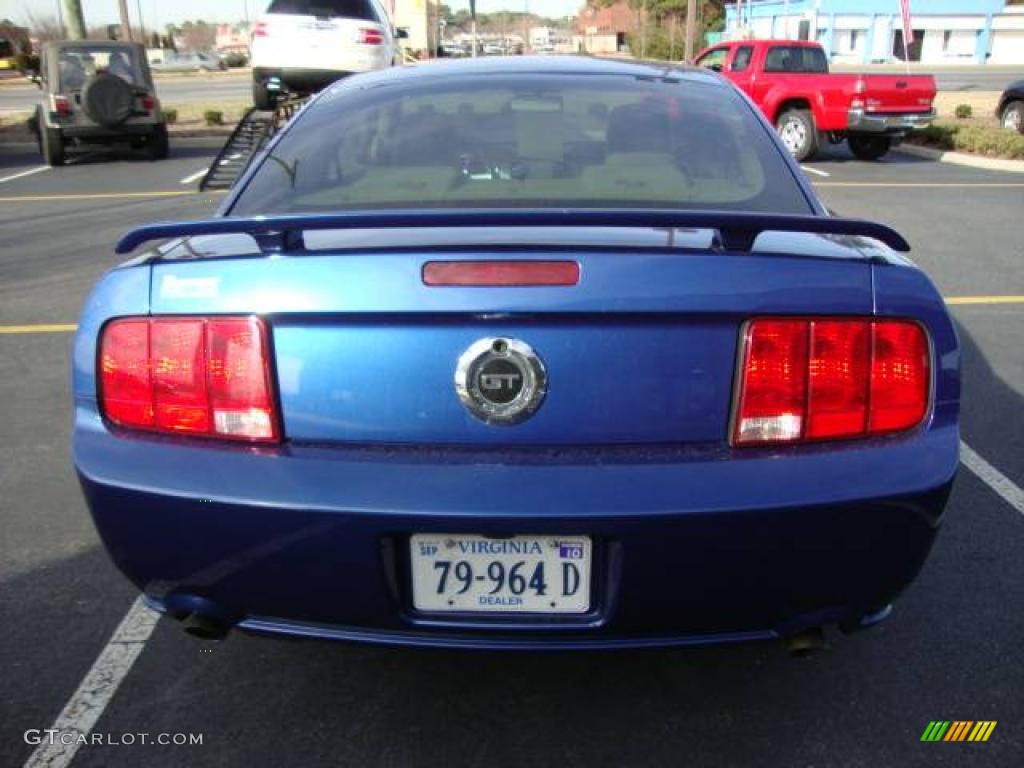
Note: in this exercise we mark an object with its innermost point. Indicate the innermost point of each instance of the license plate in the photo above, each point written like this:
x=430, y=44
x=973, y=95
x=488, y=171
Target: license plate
x=520, y=574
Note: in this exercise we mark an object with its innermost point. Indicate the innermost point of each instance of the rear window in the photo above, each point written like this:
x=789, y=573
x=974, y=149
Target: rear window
x=525, y=141
x=351, y=9
x=794, y=58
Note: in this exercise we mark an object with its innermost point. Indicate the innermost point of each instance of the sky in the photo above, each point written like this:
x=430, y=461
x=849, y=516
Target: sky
x=165, y=11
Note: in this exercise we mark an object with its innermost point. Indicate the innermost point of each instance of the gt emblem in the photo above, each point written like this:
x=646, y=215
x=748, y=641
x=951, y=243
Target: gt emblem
x=500, y=380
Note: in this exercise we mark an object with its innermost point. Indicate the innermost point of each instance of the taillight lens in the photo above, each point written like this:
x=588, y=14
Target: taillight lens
x=369, y=36
x=61, y=105
x=818, y=379
x=262, y=29
x=148, y=103
x=189, y=375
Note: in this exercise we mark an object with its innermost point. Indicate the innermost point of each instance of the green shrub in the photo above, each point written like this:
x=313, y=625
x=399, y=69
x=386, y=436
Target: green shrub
x=213, y=117
x=170, y=115
x=236, y=59
x=994, y=142
x=963, y=111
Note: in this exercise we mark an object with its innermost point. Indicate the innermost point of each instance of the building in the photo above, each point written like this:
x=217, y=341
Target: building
x=863, y=31
x=604, y=29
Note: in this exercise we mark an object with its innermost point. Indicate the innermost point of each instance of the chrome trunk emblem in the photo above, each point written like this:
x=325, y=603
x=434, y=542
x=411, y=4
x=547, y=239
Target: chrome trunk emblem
x=500, y=380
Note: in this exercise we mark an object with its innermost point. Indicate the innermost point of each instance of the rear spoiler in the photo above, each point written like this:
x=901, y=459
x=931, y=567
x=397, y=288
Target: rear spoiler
x=737, y=231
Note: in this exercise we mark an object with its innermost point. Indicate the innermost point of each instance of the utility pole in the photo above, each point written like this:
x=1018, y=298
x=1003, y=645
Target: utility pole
x=691, y=27
x=472, y=13
x=126, y=24
x=142, y=26
x=75, y=20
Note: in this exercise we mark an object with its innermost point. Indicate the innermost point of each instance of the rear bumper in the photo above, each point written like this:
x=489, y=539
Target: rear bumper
x=689, y=547
x=99, y=133
x=301, y=80
x=860, y=121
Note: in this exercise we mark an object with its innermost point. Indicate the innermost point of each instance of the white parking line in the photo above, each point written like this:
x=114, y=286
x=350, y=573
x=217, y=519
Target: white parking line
x=200, y=174
x=815, y=171
x=195, y=176
x=98, y=687
x=992, y=477
x=23, y=174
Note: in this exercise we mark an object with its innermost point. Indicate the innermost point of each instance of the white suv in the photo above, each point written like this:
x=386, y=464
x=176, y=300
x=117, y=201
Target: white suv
x=303, y=45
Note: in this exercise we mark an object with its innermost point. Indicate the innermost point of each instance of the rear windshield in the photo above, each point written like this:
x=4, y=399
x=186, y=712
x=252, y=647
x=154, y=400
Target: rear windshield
x=525, y=141
x=796, y=58
x=351, y=9
x=78, y=64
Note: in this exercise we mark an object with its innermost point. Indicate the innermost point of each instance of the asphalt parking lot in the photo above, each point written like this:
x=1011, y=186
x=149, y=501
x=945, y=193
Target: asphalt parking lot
x=952, y=650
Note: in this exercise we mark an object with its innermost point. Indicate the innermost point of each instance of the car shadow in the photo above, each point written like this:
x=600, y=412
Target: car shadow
x=178, y=151
x=947, y=652
x=840, y=154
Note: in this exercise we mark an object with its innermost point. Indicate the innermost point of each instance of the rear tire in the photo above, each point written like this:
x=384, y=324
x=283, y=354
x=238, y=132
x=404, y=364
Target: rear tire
x=869, y=148
x=51, y=145
x=1013, y=116
x=262, y=97
x=798, y=133
x=158, y=145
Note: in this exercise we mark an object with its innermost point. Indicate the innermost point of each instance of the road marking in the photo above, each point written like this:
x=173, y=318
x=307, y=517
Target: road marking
x=960, y=300
x=195, y=176
x=992, y=477
x=199, y=174
x=42, y=328
x=923, y=184
x=815, y=171
x=23, y=174
x=97, y=688
x=100, y=196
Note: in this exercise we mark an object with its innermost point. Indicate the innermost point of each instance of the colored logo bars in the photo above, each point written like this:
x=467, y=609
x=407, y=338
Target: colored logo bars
x=958, y=730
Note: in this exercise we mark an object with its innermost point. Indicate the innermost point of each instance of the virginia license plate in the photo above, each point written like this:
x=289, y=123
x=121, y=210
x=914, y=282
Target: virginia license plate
x=520, y=574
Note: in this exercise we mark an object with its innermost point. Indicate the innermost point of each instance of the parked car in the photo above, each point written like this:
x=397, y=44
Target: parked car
x=571, y=355
x=1011, y=107
x=97, y=93
x=189, y=62
x=789, y=80
x=303, y=45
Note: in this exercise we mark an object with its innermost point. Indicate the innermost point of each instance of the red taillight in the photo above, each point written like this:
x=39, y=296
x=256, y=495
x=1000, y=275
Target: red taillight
x=61, y=105
x=148, y=103
x=370, y=36
x=816, y=379
x=499, y=273
x=900, y=377
x=262, y=29
x=192, y=376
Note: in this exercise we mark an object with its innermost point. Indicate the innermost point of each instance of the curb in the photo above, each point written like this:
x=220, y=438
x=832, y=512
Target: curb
x=962, y=158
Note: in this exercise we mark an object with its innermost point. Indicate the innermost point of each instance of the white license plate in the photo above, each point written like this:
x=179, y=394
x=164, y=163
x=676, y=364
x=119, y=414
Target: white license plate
x=520, y=574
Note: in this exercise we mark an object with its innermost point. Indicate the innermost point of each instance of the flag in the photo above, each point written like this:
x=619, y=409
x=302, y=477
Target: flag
x=908, y=30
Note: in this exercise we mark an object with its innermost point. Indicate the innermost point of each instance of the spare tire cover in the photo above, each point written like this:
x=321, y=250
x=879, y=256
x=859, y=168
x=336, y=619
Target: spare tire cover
x=108, y=100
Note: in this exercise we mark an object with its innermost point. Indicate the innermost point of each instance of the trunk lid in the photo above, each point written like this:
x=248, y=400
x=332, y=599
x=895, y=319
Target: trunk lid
x=641, y=351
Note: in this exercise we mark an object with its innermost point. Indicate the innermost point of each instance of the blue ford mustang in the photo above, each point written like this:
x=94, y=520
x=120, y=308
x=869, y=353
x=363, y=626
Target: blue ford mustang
x=519, y=354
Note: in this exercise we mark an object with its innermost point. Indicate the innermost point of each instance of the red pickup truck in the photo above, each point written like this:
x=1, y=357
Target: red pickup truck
x=789, y=80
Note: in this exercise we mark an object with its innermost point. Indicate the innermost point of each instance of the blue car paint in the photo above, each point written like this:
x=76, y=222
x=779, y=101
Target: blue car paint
x=695, y=542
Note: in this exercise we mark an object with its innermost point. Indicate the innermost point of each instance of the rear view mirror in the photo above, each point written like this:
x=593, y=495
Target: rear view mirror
x=715, y=67
x=401, y=33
